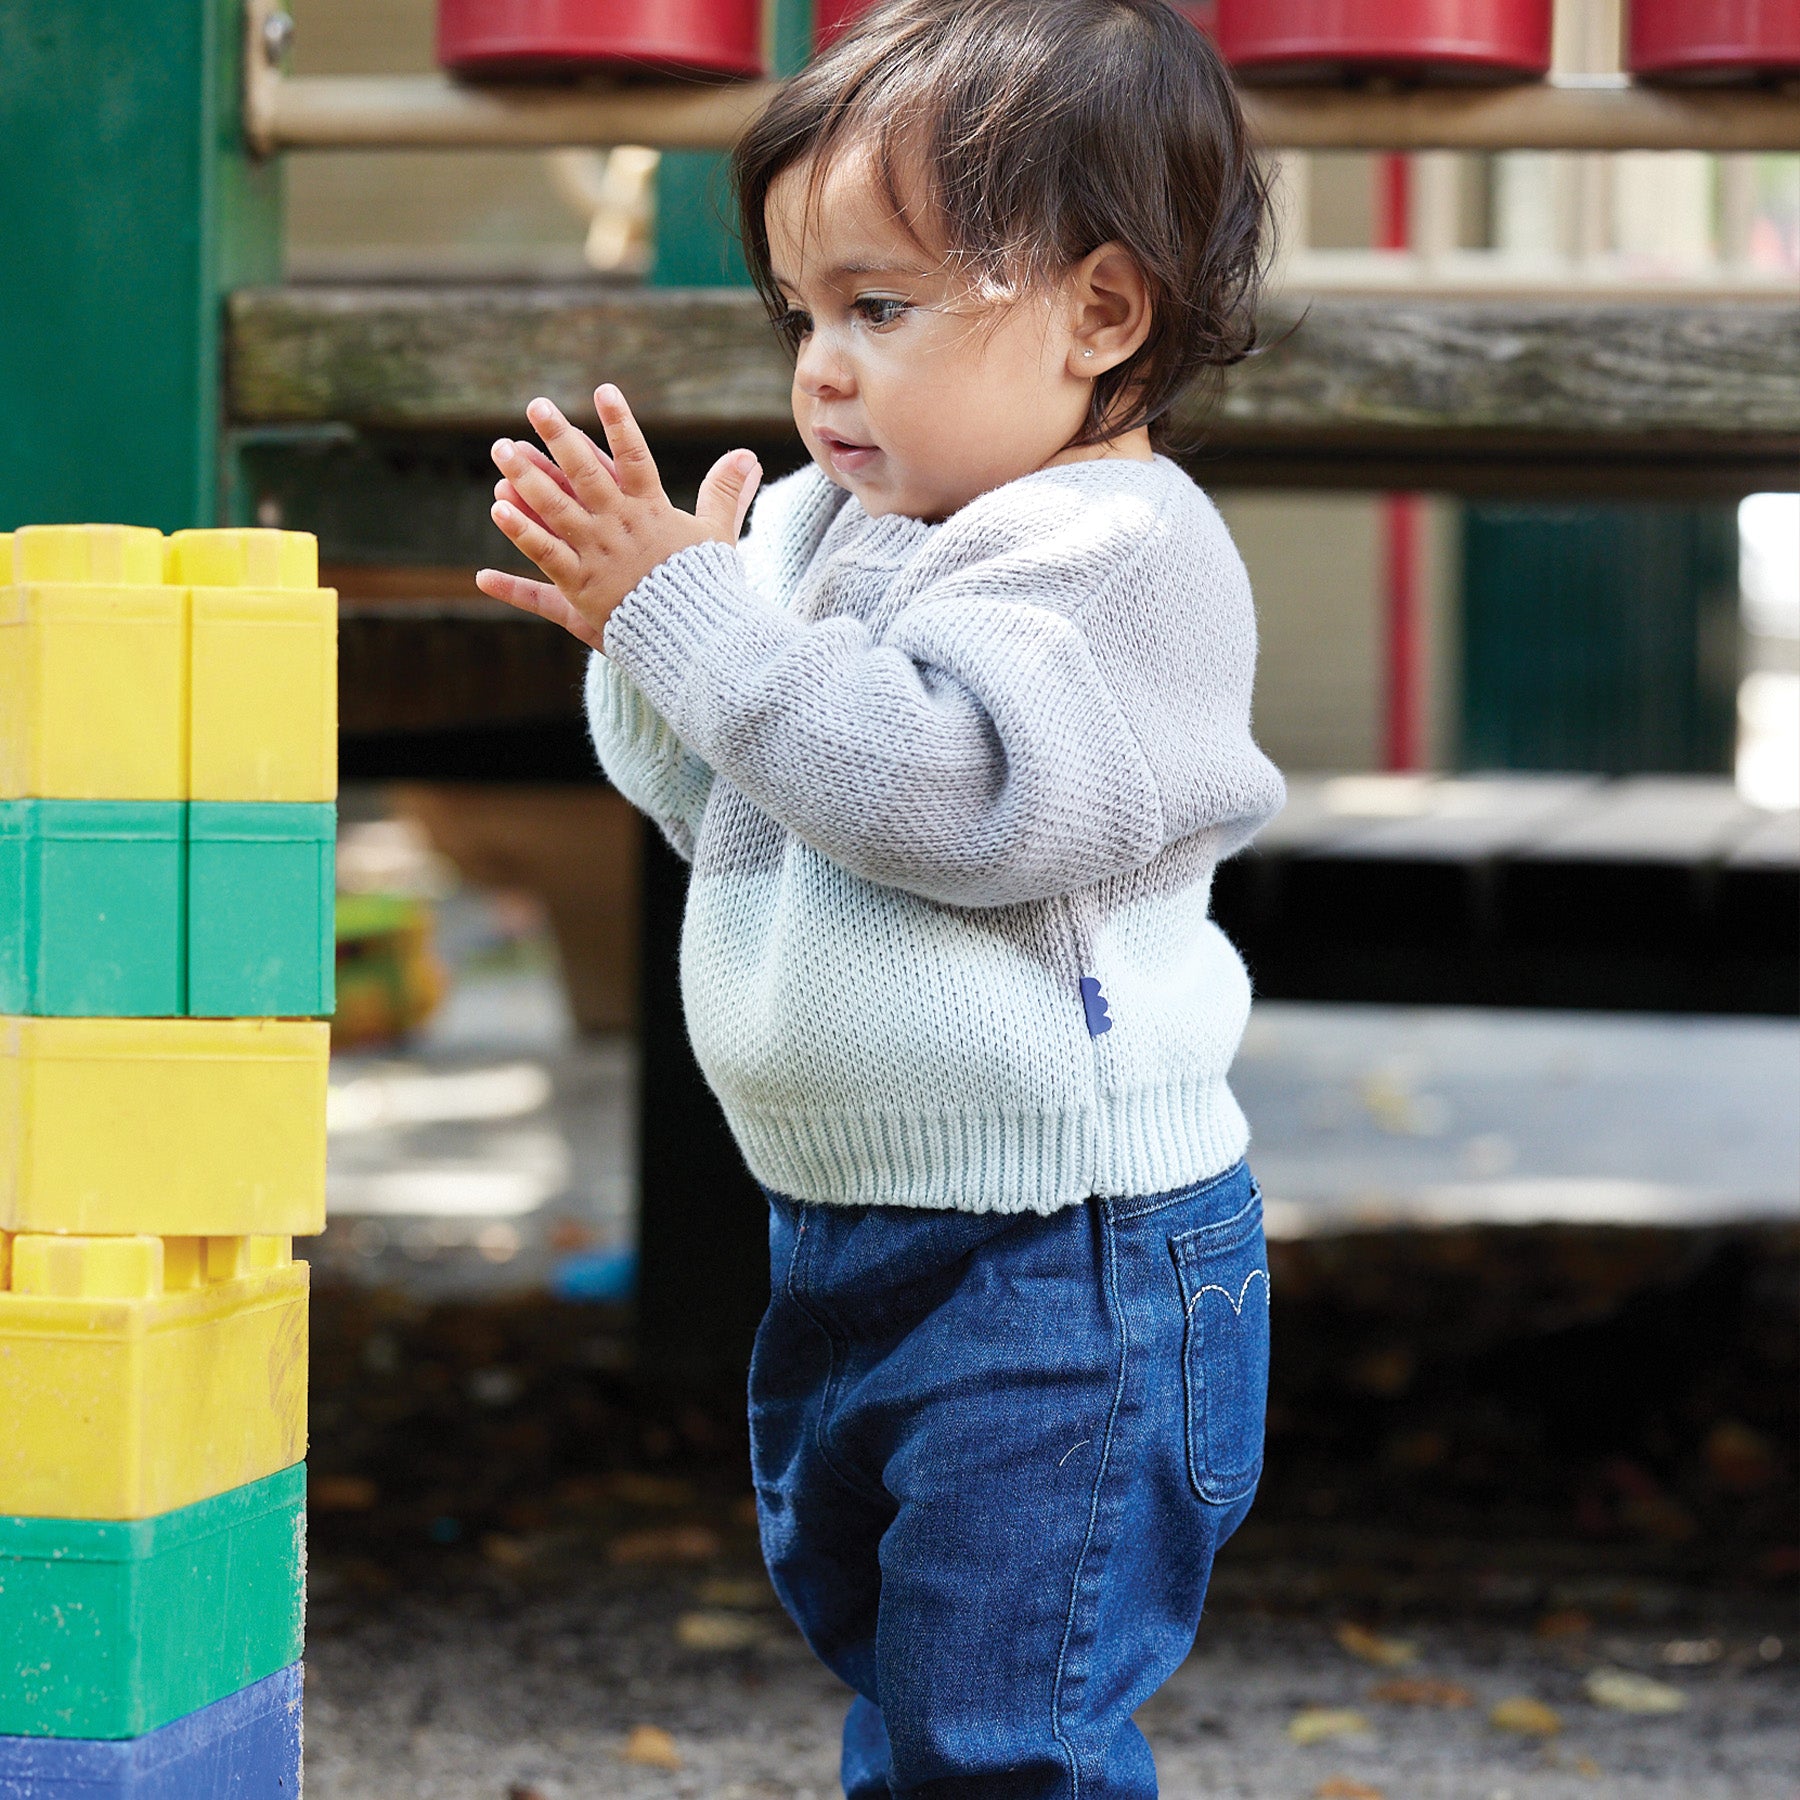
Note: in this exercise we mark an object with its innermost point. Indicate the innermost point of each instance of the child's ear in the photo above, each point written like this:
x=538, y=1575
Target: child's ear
x=1110, y=303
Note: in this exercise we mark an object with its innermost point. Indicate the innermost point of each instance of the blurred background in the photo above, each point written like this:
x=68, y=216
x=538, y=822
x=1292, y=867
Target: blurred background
x=1520, y=500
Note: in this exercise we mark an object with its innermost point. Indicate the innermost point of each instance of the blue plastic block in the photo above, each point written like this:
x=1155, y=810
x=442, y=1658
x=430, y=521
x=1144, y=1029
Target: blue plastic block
x=244, y=1747
x=261, y=933
x=90, y=908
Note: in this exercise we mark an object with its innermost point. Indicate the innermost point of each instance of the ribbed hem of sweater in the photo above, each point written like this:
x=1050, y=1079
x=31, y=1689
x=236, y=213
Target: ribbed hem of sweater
x=1148, y=1141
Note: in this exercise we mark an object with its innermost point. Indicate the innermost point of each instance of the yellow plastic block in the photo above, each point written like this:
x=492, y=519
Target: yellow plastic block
x=6, y=559
x=124, y=1406
x=242, y=558
x=93, y=689
x=193, y=1128
x=89, y=1268
x=97, y=555
x=263, y=683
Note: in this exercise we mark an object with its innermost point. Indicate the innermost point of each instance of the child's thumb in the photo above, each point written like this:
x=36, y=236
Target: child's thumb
x=726, y=493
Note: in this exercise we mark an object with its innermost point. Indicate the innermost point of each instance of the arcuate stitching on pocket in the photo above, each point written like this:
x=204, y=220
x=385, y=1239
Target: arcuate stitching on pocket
x=1237, y=1305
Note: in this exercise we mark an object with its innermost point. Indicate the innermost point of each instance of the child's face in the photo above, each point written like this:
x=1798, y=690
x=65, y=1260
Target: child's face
x=912, y=391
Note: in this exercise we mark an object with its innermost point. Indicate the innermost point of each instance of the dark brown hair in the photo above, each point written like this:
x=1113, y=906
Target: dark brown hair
x=1041, y=129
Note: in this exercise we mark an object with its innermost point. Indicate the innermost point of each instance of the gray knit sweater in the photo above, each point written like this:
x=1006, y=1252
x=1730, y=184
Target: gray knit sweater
x=954, y=795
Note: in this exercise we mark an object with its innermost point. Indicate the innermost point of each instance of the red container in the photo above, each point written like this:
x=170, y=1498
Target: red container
x=1438, y=40
x=1713, y=40
x=671, y=37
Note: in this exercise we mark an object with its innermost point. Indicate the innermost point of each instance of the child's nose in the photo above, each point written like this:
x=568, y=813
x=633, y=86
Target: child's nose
x=819, y=371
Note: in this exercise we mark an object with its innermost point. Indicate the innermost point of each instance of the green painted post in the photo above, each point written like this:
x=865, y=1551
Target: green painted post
x=127, y=209
x=1599, y=637
x=696, y=231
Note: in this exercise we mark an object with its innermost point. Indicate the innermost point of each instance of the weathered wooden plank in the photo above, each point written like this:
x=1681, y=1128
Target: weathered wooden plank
x=1353, y=376
x=1663, y=376
x=470, y=357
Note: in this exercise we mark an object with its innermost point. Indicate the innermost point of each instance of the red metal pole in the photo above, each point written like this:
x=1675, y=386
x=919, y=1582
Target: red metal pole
x=1393, y=203
x=1403, y=727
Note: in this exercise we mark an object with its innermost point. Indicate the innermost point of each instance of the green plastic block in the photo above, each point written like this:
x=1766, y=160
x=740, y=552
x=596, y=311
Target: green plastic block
x=90, y=907
x=261, y=881
x=109, y=1630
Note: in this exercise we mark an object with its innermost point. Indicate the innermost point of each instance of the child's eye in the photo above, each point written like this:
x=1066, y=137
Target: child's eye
x=792, y=325
x=881, y=309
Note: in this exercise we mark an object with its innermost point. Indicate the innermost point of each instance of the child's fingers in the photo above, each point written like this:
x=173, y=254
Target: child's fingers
x=534, y=454
x=544, y=548
x=537, y=597
x=505, y=491
x=590, y=471
x=547, y=500
x=634, y=468
x=726, y=493
x=506, y=453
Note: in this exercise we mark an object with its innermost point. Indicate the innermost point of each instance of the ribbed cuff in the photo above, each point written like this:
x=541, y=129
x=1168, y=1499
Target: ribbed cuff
x=620, y=716
x=696, y=603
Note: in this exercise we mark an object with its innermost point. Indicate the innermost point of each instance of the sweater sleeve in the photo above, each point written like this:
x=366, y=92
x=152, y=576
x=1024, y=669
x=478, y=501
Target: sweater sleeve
x=642, y=756
x=978, y=752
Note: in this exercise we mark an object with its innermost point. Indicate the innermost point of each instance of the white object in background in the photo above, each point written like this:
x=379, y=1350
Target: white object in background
x=1769, y=564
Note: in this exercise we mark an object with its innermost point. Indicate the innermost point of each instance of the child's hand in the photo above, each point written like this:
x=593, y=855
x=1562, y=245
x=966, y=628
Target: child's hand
x=598, y=524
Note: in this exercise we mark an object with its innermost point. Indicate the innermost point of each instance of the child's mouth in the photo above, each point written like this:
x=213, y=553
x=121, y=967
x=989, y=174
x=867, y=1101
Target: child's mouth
x=847, y=457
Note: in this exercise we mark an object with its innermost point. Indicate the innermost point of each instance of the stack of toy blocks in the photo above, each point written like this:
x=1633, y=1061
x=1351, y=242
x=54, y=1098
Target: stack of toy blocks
x=168, y=715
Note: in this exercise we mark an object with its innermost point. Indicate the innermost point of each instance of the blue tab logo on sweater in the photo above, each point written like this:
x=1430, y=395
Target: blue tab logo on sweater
x=1093, y=1003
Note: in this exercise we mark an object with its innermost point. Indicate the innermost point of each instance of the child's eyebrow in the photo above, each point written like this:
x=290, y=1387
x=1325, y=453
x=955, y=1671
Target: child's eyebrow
x=858, y=270
x=847, y=271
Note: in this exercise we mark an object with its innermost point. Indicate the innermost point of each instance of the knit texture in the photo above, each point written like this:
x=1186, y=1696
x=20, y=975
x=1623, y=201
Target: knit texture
x=954, y=795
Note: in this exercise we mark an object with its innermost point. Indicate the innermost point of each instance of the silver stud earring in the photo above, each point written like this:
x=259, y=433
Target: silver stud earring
x=1087, y=353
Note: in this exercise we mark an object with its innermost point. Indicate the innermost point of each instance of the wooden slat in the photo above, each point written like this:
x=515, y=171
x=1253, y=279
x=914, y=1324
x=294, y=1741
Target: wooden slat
x=1355, y=381
x=433, y=112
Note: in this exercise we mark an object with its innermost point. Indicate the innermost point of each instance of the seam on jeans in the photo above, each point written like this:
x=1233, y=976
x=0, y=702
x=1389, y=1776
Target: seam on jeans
x=1125, y=1211
x=1087, y=1542
x=833, y=1356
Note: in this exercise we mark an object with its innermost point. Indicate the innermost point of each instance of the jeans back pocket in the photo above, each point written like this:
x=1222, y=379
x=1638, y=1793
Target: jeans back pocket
x=1223, y=1274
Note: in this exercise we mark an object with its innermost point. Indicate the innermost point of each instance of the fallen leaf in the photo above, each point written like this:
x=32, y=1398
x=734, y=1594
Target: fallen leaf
x=665, y=1544
x=1585, y=1765
x=1528, y=1717
x=1386, y=1653
x=525, y=1790
x=1566, y=1622
x=1343, y=1787
x=1623, y=1691
x=648, y=1490
x=341, y=1493
x=1318, y=1724
x=1740, y=1460
x=651, y=1746
x=749, y=1593
x=505, y=1551
x=717, y=1631
x=1421, y=1690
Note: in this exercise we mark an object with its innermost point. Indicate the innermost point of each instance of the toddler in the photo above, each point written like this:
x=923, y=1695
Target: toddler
x=954, y=741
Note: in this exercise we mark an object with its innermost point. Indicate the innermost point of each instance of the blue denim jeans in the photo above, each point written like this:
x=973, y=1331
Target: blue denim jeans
x=994, y=1457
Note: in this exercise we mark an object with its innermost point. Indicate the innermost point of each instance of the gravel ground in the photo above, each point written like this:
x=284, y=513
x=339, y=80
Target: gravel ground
x=527, y=1682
